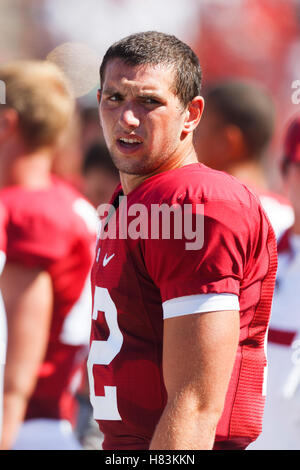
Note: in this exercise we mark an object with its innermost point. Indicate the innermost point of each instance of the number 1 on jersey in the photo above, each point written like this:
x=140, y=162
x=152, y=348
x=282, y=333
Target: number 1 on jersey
x=102, y=353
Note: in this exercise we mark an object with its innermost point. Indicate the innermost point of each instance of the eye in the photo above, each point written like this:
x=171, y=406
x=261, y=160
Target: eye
x=115, y=97
x=150, y=100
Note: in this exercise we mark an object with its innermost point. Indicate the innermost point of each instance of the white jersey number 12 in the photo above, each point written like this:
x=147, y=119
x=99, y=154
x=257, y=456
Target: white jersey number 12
x=102, y=353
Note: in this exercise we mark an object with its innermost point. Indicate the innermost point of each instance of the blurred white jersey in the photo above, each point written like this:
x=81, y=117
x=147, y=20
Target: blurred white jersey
x=279, y=212
x=281, y=424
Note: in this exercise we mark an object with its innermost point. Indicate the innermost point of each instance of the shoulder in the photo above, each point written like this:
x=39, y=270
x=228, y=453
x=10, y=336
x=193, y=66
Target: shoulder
x=217, y=195
x=46, y=223
x=79, y=207
x=195, y=182
x=59, y=207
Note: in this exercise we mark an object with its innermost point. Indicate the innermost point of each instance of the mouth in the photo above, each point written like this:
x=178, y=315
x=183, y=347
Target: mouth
x=129, y=144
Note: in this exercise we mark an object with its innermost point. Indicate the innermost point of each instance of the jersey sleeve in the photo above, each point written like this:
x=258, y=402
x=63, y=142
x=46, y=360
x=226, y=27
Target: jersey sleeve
x=211, y=265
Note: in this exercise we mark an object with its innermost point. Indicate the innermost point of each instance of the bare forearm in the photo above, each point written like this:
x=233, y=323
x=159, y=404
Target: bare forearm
x=15, y=407
x=198, y=356
x=19, y=382
x=183, y=427
x=29, y=312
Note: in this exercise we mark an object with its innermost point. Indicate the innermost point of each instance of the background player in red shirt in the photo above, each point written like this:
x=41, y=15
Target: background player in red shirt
x=235, y=136
x=177, y=356
x=51, y=235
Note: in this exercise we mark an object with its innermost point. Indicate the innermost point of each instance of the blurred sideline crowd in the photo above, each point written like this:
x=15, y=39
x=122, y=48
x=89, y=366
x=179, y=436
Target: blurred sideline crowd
x=45, y=197
x=55, y=171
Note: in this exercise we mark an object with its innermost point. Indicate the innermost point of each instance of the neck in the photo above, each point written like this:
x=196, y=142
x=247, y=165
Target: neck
x=250, y=172
x=130, y=182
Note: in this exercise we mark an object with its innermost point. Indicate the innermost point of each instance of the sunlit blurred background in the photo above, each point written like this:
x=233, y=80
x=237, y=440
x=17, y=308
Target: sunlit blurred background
x=252, y=39
x=257, y=39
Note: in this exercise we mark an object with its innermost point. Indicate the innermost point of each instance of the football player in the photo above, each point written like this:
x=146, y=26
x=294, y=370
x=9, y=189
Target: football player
x=235, y=135
x=177, y=358
x=281, y=427
x=51, y=236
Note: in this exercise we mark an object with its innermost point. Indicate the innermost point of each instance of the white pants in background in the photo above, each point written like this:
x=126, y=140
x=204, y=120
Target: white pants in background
x=46, y=434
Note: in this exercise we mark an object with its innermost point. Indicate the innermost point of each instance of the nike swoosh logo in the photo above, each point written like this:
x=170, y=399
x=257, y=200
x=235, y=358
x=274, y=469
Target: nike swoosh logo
x=106, y=259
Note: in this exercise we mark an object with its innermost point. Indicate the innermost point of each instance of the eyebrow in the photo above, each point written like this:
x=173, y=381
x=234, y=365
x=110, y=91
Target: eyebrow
x=109, y=91
x=150, y=93
x=143, y=94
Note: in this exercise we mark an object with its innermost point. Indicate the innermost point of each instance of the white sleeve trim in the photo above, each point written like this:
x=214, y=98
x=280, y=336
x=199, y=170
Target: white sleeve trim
x=199, y=303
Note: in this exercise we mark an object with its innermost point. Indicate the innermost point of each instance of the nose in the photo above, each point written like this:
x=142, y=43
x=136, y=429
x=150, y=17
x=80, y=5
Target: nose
x=129, y=118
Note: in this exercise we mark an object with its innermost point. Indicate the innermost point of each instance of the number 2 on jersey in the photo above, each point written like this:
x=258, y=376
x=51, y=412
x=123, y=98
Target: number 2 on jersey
x=102, y=353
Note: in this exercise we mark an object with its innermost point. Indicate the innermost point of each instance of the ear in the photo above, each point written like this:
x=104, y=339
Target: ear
x=9, y=121
x=194, y=112
x=235, y=141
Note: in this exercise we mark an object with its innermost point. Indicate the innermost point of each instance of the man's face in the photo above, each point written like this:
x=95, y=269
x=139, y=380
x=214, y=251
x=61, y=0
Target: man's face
x=141, y=118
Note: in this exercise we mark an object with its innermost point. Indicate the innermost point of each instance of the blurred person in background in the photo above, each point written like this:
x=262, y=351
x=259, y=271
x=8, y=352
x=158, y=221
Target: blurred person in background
x=67, y=156
x=3, y=323
x=281, y=424
x=90, y=132
x=45, y=283
x=234, y=136
x=99, y=180
x=100, y=176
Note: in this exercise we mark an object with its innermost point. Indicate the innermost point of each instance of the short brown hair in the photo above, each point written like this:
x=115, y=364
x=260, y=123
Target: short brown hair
x=247, y=105
x=39, y=93
x=153, y=48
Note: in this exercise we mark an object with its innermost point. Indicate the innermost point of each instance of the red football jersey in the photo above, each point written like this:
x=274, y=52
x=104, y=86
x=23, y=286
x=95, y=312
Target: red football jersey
x=137, y=281
x=55, y=229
